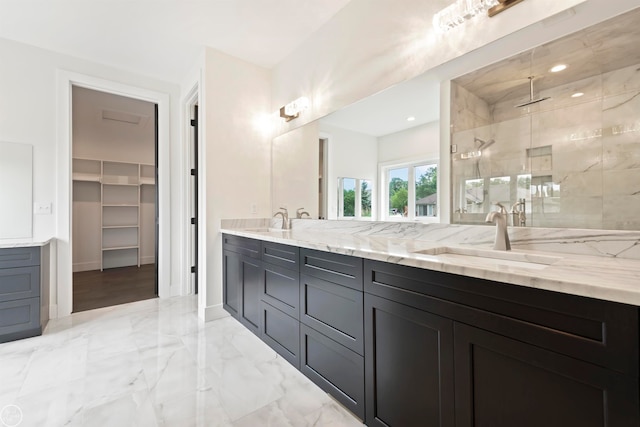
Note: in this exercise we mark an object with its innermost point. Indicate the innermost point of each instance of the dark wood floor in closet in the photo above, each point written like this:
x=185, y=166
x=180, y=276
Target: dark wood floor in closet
x=113, y=286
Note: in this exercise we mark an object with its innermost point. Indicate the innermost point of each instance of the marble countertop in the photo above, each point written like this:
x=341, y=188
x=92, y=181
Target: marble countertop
x=606, y=278
x=22, y=243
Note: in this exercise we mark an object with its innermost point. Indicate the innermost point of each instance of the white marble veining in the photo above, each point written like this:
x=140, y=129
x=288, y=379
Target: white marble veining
x=601, y=264
x=22, y=243
x=154, y=363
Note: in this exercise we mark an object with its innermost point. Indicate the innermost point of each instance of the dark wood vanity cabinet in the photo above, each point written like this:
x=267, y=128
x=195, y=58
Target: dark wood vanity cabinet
x=23, y=294
x=502, y=382
x=280, y=298
x=494, y=354
x=332, y=328
x=409, y=366
x=402, y=346
x=242, y=283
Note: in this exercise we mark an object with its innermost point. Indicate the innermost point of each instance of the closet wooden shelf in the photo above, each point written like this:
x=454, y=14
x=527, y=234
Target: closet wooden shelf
x=117, y=248
x=87, y=177
x=121, y=187
x=120, y=184
x=147, y=181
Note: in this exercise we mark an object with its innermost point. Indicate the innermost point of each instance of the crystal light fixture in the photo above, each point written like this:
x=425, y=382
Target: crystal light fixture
x=457, y=13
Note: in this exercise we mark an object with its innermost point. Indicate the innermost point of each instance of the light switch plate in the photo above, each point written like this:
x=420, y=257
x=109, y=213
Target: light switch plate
x=42, y=208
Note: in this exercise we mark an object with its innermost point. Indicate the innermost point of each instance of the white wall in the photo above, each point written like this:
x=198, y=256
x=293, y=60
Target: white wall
x=28, y=114
x=420, y=143
x=371, y=45
x=236, y=157
x=350, y=155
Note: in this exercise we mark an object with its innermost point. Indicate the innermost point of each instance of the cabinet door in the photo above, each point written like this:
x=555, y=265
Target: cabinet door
x=251, y=291
x=409, y=366
x=334, y=368
x=501, y=382
x=281, y=332
x=232, y=277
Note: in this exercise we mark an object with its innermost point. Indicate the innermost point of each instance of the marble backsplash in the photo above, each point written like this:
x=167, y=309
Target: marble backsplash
x=604, y=243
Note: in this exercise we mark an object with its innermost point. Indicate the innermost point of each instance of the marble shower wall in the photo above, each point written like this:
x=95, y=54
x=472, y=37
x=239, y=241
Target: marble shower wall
x=582, y=154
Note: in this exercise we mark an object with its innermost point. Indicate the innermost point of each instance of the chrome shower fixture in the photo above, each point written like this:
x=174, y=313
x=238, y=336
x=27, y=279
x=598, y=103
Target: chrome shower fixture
x=531, y=99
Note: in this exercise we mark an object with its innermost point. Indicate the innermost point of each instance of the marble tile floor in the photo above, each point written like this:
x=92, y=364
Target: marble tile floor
x=154, y=363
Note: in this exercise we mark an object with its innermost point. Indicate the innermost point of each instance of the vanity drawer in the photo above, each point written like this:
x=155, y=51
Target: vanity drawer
x=19, y=319
x=282, y=255
x=19, y=257
x=282, y=289
x=19, y=283
x=337, y=268
x=334, y=310
x=241, y=245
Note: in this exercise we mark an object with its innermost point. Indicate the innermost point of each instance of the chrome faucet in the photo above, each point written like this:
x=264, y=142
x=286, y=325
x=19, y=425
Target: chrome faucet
x=300, y=213
x=285, y=217
x=499, y=218
x=518, y=217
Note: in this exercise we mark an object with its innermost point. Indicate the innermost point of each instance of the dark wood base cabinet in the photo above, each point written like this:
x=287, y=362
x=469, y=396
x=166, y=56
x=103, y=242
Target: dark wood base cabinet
x=24, y=292
x=403, y=347
x=502, y=382
x=409, y=366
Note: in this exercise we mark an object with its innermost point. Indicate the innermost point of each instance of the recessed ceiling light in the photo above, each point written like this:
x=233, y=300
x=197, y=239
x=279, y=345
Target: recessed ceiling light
x=577, y=95
x=410, y=118
x=558, y=68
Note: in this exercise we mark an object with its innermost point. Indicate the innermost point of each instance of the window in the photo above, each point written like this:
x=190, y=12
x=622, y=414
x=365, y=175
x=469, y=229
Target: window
x=355, y=198
x=412, y=190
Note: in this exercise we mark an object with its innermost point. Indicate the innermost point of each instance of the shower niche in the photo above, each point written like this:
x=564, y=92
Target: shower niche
x=563, y=146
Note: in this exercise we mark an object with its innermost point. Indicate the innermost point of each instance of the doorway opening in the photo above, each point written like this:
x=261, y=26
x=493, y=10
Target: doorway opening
x=114, y=199
x=323, y=145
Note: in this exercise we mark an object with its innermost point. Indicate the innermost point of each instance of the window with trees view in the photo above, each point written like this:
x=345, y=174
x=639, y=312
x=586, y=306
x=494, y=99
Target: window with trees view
x=355, y=198
x=412, y=190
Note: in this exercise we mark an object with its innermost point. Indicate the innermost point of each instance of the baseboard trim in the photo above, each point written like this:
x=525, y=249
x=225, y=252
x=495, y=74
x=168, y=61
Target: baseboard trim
x=213, y=312
x=86, y=266
x=53, y=311
x=148, y=260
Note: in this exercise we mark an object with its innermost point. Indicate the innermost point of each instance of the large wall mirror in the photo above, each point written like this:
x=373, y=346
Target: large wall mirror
x=16, y=177
x=376, y=159
x=553, y=133
x=571, y=160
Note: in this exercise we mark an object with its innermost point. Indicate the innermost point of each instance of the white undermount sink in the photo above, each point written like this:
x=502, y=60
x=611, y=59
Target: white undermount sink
x=476, y=256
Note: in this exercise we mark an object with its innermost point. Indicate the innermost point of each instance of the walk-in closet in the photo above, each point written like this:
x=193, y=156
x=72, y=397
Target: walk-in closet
x=114, y=199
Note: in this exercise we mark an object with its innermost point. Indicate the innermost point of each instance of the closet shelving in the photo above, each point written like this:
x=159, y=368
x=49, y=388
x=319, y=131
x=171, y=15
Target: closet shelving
x=120, y=197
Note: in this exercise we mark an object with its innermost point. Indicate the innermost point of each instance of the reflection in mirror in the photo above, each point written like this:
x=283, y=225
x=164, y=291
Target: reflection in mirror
x=15, y=190
x=567, y=155
x=412, y=190
x=391, y=130
x=354, y=198
x=295, y=169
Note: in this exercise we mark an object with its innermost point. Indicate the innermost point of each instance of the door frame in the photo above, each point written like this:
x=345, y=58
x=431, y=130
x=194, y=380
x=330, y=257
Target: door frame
x=62, y=297
x=190, y=101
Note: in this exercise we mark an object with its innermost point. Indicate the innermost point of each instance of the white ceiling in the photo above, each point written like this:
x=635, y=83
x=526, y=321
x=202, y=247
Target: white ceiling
x=163, y=38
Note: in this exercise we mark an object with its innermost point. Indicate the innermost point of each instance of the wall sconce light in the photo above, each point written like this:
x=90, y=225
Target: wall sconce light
x=293, y=109
x=461, y=11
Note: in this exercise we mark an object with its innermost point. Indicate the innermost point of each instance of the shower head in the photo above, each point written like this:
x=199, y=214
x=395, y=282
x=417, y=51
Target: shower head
x=531, y=99
x=483, y=144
